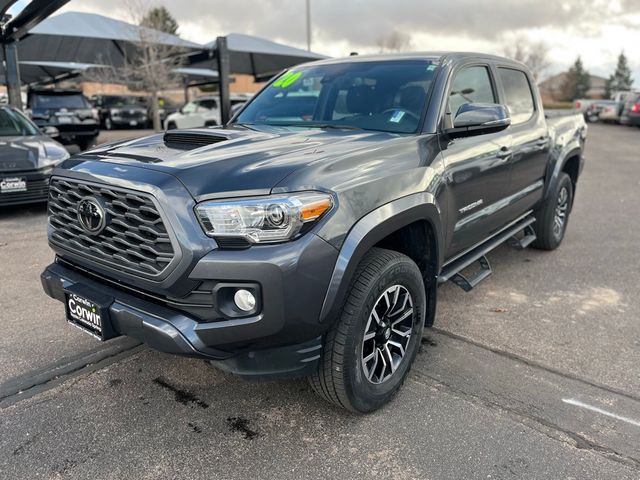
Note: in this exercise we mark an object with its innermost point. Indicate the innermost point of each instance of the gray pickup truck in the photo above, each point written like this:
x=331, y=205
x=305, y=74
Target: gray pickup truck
x=308, y=236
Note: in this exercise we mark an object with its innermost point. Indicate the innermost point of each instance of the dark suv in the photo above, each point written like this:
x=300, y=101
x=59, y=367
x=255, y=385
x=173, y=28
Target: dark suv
x=67, y=110
x=121, y=111
x=308, y=237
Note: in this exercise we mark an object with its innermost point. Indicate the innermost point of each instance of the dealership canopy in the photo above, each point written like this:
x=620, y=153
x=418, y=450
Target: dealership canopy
x=91, y=38
x=255, y=56
x=49, y=72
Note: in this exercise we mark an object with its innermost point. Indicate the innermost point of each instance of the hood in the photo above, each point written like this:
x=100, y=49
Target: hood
x=211, y=161
x=29, y=153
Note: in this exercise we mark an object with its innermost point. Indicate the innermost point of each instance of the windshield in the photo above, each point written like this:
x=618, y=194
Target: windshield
x=111, y=102
x=13, y=124
x=54, y=102
x=386, y=96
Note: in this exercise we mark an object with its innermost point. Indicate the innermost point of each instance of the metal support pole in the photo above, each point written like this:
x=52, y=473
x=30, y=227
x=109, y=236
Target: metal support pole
x=186, y=91
x=309, y=25
x=224, y=68
x=12, y=74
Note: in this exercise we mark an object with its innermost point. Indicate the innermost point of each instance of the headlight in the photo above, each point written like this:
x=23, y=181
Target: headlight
x=52, y=154
x=263, y=220
x=115, y=112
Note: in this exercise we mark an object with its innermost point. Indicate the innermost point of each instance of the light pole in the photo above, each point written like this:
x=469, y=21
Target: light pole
x=309, y=25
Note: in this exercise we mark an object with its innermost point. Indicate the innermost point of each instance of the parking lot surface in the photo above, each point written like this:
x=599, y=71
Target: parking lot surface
x=534, y=374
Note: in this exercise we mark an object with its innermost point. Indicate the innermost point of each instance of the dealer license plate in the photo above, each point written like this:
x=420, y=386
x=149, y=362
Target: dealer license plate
x=85, y=314
x=13, y=184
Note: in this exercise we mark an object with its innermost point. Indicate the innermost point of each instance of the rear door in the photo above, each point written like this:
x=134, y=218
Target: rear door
x=530, y=142
x=476, y=168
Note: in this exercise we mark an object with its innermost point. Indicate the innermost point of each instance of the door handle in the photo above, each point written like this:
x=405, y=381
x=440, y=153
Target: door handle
x=505, y=152
x=542, y=142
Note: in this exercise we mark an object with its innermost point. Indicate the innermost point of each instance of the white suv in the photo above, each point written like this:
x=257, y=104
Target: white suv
x=201, y=112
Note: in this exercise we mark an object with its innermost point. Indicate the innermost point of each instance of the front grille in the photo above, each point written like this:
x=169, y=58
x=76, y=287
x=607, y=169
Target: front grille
x=134, y=239
x=131, y=114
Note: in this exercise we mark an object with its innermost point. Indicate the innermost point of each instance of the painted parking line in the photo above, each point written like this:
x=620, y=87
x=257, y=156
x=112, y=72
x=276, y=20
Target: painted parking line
x=578, y=403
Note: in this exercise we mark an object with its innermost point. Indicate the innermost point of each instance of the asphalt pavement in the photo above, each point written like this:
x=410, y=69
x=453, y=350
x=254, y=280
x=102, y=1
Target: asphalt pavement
x=534, y=374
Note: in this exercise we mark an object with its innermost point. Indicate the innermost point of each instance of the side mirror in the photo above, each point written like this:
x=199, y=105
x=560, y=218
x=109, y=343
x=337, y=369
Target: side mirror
x=51, y=131
x=479, y=119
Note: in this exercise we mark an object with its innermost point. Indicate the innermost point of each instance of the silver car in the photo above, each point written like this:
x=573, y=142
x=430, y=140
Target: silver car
x=27, y=157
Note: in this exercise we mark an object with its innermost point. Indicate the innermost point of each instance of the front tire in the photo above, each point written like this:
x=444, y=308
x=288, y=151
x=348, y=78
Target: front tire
x=85, y=143
x=553, y=217
x=370, y=349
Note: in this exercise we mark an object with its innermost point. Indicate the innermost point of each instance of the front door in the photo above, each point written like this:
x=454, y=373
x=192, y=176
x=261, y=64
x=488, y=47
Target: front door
x=476, y=168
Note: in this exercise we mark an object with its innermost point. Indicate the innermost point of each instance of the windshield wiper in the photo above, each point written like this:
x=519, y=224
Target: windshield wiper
x=332, y=126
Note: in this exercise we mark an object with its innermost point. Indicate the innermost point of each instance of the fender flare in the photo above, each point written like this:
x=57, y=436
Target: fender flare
x=558, y=166
x=370, y=230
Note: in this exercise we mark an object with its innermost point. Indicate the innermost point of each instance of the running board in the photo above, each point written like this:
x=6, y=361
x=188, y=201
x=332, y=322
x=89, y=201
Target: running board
x=451, y=271
x=528, y=238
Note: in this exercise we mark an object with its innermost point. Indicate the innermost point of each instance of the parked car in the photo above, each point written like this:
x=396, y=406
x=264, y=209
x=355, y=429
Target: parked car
x=583, y=105
x=27, y=158
x=120, y=111
x=631, y=112
x=201, y=112
x=308, y=237
x=69, y=111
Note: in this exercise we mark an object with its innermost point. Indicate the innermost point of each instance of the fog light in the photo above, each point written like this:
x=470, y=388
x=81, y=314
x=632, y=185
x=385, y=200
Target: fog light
x=244, y=300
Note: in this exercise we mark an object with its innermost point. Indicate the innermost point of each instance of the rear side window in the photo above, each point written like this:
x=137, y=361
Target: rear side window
x=518, y=94
x=471, y=85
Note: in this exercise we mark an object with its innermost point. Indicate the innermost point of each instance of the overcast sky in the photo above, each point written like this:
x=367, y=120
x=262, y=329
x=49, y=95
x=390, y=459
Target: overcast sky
x=596, y=29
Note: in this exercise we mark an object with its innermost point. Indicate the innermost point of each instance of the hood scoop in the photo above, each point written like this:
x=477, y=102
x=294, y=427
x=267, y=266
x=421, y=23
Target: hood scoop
x=186, y=140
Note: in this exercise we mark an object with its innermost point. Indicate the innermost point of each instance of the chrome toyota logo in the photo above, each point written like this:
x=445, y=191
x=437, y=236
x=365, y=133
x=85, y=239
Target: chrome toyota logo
x=92, y=215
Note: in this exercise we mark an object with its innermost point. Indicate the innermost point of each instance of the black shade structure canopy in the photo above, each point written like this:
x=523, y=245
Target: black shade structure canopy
x=69, y=43
x=14, y=29
x=256, y=56
x=91, y=38
x=32, y=72
x=239, y=53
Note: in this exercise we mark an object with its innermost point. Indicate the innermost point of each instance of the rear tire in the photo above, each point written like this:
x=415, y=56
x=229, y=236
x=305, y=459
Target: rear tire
x=171, y=126
x=553, y=216
x=362, y=366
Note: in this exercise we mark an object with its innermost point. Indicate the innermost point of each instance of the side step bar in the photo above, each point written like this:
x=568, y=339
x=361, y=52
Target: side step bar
x=451, y=271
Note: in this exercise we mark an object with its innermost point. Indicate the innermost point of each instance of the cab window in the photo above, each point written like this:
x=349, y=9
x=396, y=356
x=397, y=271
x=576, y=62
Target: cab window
x=519, y=98
x=471, y=85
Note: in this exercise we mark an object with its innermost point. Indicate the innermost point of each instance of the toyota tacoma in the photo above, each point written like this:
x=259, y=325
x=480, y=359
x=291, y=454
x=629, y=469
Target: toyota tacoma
x=308, y=236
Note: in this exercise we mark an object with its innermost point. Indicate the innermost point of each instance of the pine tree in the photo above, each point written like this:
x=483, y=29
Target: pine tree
x=621, y=78
x=160, y=18
x=577, y=83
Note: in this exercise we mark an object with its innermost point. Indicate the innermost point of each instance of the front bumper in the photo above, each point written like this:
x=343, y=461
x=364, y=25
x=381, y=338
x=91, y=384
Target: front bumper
x=282, y=340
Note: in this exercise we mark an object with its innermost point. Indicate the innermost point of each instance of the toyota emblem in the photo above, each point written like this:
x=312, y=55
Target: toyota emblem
x=92, y=215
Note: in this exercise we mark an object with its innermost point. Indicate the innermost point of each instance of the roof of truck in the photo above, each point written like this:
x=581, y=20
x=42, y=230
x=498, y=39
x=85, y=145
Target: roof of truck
x=433, y=56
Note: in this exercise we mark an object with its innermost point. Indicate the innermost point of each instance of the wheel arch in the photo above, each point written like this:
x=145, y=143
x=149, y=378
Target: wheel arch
x=402, y=225
x=571, y=163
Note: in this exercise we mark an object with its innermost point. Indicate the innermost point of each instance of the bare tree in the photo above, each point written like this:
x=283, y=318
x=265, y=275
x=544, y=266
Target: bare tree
x=149, y=65
x=534, y=55
x=394, y=41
